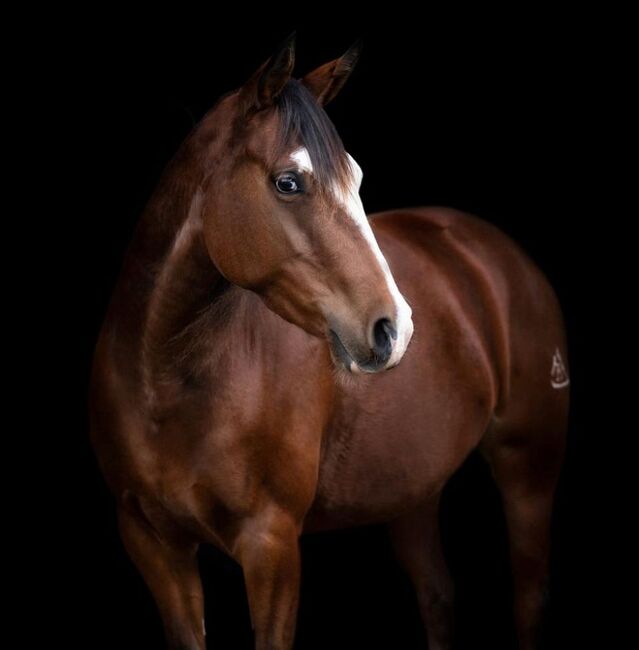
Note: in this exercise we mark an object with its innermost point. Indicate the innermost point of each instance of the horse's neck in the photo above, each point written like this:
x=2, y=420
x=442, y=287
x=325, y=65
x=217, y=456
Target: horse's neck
x=171, y=297
x=178, y=310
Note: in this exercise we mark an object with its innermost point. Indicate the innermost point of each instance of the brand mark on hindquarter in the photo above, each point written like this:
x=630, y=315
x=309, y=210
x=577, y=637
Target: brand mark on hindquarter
x=558, y=375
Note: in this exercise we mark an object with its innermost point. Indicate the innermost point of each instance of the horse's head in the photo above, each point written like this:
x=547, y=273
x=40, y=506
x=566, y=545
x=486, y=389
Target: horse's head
x=282, y=214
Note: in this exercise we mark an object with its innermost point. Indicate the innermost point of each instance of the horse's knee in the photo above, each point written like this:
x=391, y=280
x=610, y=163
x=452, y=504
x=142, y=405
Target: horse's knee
x=268, y=534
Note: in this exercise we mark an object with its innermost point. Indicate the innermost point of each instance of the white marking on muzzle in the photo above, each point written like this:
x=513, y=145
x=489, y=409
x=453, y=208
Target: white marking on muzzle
x=352, y=203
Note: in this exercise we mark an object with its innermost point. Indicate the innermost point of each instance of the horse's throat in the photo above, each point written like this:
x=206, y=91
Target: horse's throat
x=183, y=306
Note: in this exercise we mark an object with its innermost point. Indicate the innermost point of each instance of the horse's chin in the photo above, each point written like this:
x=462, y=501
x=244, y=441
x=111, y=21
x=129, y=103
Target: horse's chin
x=344, y=361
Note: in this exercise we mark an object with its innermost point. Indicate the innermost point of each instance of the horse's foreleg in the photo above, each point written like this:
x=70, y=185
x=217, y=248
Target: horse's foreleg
x=267, y=548
x=417, y=544
x=170, y=570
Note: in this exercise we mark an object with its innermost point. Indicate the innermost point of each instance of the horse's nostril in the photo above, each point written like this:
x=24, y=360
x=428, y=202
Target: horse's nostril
x=384, y=333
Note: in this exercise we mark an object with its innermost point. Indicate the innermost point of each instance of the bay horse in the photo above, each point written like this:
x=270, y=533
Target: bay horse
x=259, y=374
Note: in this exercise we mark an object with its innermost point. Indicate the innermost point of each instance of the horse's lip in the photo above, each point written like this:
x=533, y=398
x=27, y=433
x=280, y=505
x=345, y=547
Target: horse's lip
x=340, y=351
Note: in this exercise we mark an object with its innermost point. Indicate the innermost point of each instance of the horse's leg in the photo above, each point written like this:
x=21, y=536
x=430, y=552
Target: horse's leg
x=526, y=471
x=417, y=544
x=267, y=549
x=170, y=570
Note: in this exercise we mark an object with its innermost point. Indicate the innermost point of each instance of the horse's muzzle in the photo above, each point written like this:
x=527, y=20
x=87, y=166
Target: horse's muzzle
x=383, y=338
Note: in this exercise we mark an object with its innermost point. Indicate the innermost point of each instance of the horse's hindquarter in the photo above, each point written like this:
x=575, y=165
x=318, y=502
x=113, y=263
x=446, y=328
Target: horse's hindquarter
x=476, y=302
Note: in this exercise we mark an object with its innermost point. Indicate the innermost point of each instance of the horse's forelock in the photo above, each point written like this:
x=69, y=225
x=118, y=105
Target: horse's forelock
x=303, y=120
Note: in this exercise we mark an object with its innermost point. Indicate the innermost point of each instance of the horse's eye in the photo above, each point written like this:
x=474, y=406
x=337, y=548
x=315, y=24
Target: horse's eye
x=287, y=183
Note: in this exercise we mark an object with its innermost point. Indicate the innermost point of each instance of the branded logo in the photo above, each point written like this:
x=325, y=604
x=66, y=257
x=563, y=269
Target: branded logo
x=558, y=375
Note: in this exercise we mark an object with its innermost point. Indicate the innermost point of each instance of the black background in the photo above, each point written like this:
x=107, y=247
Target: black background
x=501, y=117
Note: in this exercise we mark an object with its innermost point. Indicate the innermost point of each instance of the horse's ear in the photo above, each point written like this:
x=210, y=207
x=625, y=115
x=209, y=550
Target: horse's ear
x=270, y=78
x=327, y=80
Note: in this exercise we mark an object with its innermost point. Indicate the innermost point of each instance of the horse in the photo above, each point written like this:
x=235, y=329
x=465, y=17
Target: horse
x=259, y=375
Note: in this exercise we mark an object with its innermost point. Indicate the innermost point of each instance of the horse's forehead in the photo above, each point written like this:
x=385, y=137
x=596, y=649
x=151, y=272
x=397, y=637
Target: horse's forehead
x=301, y=159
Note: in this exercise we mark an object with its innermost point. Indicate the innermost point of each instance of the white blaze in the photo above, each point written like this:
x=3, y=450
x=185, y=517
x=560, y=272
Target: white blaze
x=301, y=158
x=352, y=204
